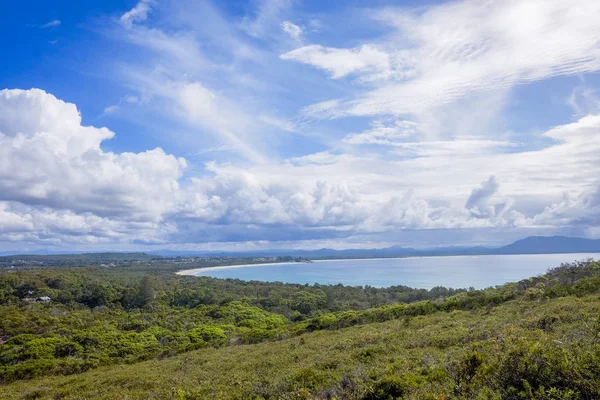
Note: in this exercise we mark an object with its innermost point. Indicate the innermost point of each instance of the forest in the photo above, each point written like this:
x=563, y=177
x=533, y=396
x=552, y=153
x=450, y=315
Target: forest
x=62, y=329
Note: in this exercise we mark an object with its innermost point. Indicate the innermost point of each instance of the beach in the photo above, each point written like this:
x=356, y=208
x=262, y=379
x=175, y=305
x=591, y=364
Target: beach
x=192, y=272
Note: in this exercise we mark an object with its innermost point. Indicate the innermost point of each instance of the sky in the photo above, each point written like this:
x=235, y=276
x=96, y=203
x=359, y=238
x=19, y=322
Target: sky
x=289, y=124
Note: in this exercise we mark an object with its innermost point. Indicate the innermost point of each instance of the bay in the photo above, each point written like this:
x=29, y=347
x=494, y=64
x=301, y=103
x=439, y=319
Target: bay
x=418, y=272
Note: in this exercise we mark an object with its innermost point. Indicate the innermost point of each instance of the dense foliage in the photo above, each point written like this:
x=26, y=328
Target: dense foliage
x=534, y=339
x=102, y=316
x=140, y=261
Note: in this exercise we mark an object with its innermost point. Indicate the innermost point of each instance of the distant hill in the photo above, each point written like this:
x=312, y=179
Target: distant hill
x=550, y=245
x=85, y=256
x=50, y=260
x=529, y=245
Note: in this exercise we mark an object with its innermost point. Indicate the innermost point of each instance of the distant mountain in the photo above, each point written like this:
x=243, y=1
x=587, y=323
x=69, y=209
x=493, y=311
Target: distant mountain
x=78, y=257
x=74, y=260
x=529, y=245
x=551, y=245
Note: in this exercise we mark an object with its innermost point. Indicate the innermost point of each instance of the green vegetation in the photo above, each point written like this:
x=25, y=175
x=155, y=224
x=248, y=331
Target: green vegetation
x=535, y=339
x=139, y=260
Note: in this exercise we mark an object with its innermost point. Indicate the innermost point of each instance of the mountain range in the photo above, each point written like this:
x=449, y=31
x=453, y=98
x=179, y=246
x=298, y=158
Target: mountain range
x=528, y=245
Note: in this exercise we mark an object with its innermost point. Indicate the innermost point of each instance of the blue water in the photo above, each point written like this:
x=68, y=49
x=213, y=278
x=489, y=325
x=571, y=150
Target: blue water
x=426, y=272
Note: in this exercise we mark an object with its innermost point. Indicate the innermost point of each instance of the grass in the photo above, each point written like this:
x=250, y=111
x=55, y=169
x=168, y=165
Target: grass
x=445, y=355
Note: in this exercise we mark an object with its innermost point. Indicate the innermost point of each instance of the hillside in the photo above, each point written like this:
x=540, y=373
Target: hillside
x=528, y=245
x=550, y=245
x=82, y=259
x=191, y=338
x=521, y=350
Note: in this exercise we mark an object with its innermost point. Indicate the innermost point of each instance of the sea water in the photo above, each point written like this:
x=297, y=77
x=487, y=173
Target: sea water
x=418, y=272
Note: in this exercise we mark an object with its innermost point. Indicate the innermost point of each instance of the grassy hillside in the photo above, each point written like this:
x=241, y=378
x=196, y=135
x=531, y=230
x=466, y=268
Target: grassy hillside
x=137, y=335
x=542, y=349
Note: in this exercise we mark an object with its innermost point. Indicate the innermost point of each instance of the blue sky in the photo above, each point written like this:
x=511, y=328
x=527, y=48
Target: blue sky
x=289, y=124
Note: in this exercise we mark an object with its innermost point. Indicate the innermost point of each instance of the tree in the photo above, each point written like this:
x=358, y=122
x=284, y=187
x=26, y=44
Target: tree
x=97, y=294
x=146, y=291
x=306, y=302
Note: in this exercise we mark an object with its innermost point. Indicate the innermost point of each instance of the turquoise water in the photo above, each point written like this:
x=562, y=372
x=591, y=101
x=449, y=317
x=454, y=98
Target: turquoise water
x=426, y=272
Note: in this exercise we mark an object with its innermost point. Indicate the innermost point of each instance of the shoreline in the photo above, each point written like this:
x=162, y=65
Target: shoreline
x=194, y=271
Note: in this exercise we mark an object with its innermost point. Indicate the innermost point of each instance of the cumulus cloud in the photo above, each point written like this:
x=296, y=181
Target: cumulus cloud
x=66, y=189
x=237, y=196
x=11, y=222
x=482, y=193
x=228, y=92
x=68, y=185
x=485, y=203
x=61, y=165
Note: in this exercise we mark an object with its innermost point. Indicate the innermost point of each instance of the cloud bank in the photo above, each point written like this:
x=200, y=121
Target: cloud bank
x=284, y=134
x=59, y=186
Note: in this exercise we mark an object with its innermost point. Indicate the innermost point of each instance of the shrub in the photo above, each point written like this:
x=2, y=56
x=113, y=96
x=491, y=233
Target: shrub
x=387, y=388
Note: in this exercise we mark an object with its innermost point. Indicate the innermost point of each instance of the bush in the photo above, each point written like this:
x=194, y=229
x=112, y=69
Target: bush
x=387, y=388
x=207, y=335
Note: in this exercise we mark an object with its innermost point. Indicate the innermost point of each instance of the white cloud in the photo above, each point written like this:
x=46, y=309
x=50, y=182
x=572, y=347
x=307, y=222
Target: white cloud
x=404, y=138
x=51, y=24
x=484, y=202
x=68, y=190
x=457, y=49
x=367, y=60
x=110, y=109
x=13, y=222
x=582, y=210
x=139, y=13
x=457, y=146
x=291, y=29
x=433, y=191
x=203, y=107
x=385, y=133
x=174, y=80
x=132, y=99
x=434, y=154
x=62, y=166
x=482, y=193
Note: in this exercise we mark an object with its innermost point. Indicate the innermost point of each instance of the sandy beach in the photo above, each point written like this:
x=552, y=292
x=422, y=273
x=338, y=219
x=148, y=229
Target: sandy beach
x=196, y=270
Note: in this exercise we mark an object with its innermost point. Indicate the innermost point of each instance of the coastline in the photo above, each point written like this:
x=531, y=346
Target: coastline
x=192, y=272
